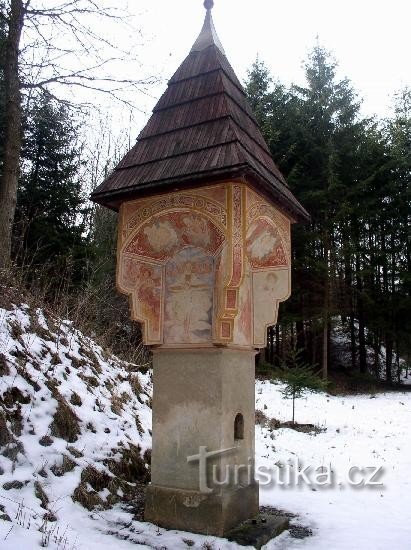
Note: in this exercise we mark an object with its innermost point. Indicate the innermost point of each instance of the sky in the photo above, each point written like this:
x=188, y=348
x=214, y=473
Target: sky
x=371, y=40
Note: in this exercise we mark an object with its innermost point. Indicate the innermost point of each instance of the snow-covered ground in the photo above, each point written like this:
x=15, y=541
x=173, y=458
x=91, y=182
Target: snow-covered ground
x=47, y=361
x=361, y=431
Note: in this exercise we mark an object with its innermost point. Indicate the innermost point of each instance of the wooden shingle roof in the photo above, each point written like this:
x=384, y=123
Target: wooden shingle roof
x=202, y=130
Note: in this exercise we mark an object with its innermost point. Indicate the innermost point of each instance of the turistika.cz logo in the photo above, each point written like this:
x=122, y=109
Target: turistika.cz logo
x=291, y=474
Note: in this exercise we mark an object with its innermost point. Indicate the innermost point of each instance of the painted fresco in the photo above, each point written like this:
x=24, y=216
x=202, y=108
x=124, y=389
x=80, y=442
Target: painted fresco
x=264, y=246
x=269, y=288
x=258, y=207
x=144, y=281
x=165, y=234
x=243, y=328
x=207, y=200
x=206, y=266
x=189, y=287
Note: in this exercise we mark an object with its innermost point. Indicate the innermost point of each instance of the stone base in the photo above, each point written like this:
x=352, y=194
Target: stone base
x=208, y=514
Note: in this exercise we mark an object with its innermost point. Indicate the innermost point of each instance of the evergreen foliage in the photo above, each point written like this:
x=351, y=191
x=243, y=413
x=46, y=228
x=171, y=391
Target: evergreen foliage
x=351, y=265
x=50, y=198
x=298, y=378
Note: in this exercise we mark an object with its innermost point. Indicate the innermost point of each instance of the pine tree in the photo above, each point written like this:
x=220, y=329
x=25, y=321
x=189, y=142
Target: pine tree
x=352, y=261
x=397, y=218
x=299, y=378
x=50, y=198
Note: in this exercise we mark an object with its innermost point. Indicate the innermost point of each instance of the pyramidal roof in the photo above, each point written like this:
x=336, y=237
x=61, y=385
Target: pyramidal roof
x=201, y=131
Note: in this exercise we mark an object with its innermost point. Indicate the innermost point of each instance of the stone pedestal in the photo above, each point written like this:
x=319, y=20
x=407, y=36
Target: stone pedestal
x=203, y=403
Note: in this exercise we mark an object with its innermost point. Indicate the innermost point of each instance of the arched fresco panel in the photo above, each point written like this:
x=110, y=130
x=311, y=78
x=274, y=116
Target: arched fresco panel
x=268, y=250
x=172, y=253
x=166, y=233
x=264, y=245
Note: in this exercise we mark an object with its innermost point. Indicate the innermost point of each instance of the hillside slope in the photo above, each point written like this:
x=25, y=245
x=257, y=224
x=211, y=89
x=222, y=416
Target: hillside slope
x=74, y=426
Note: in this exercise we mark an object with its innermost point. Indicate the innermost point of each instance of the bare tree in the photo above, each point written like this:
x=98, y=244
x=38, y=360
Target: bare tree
x=51, y=48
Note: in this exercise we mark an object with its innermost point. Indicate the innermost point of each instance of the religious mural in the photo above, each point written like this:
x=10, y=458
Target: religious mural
x=166, y=233
x=243, y=326
x=188, y=301
x=264, y=246
x=206, y=266
x=144, y=282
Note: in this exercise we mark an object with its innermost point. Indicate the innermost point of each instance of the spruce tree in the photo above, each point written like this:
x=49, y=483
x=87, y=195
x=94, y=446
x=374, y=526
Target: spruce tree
x=299, y=378
x=335, y=162
x=50, y=198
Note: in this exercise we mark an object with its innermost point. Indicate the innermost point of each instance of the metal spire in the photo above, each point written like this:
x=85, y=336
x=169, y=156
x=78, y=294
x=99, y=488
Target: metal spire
x=208, y=35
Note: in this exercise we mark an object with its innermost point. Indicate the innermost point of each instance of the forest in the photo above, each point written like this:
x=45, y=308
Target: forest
x=351, y=263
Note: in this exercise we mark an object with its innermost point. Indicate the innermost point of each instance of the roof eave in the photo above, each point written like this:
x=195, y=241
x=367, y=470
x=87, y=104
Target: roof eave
x=114, y=198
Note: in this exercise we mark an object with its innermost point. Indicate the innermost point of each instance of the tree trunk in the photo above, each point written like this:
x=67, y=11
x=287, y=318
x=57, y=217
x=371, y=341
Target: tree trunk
x=361, y=321
x=353, y=346
x=377, y=350
x=301, y=343
x=12, y=144
x=388, y=357
x=326, y=310
x=294, y=407
x=277, y=345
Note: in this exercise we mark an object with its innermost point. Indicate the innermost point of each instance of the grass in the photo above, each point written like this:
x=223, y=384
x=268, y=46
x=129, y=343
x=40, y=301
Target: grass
x=65, y=422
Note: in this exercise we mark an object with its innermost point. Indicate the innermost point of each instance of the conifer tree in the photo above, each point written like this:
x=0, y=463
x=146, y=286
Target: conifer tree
x=352, y=263
x=299, y=378
x=50, y=198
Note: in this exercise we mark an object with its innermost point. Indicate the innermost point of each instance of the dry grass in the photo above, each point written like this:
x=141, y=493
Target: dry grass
x=24, y=374
x=91, y=381
x=5, y=435
x=117, y=402
x=98, y=480
x=4, y=367
x=38, y=329
x=139, y=425
x=75, y=452
x=131, y=466
x=67, y=465
x=41, y=495
x=65, y=422
x=135, y=384
x=75, y=399
x=88, y=499
x=261, y=418
x=96, y=309
x=46, y=441
x=13, y=396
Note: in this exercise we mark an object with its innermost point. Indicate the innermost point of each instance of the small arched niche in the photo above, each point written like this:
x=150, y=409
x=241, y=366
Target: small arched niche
x=238, y=427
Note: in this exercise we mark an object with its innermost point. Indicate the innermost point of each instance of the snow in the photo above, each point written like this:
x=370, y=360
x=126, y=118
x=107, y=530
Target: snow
x=361, y=430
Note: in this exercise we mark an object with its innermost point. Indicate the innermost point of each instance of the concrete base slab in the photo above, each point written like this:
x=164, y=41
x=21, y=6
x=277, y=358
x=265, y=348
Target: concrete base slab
x=208, y=514
x=258, y=531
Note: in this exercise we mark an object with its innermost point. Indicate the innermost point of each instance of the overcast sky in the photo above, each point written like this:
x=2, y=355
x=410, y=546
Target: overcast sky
x=371, y=39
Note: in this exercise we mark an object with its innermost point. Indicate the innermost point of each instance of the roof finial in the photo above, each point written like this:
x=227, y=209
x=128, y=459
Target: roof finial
x=208, y=36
